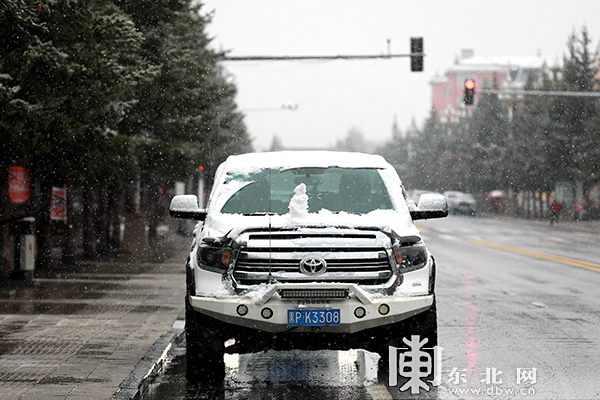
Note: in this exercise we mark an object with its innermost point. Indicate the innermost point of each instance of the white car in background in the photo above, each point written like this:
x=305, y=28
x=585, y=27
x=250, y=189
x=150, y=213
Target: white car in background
x=309, y=250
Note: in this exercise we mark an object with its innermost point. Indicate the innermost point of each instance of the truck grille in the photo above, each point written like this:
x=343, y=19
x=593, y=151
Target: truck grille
x=284, y=257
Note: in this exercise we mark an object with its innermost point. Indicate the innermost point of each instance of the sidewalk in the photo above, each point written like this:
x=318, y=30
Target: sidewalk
x=94, y=332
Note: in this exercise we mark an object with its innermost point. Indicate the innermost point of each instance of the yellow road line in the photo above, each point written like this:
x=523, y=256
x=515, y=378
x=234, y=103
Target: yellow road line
x=542, y=256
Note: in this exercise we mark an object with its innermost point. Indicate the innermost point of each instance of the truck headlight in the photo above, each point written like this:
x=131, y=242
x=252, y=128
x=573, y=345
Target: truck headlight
x=410, y=258
x=213, y=258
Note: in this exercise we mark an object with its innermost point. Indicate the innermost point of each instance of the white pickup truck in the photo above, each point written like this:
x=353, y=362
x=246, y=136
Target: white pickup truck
x=309, y=250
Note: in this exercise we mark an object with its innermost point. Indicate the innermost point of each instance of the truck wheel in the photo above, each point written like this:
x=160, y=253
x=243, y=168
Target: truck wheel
x=424, y=325
x=205, y=347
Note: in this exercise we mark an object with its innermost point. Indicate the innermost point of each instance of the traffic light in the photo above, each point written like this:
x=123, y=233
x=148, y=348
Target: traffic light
x=469, y=92
x=416, y=54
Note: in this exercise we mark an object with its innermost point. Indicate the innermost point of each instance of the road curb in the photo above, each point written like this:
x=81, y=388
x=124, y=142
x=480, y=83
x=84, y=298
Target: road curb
x=152, y=364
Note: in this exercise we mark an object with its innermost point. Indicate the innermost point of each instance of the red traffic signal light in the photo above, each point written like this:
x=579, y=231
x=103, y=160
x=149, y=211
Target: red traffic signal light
x=469, y=97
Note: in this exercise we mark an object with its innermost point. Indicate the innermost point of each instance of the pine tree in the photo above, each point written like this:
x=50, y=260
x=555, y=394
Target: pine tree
x=531, y=141
x=580, y=114
x=186, y=115
x=74, y=73
x=489, y=141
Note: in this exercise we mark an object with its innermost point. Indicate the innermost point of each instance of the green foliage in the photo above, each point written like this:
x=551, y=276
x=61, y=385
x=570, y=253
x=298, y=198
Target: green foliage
x=73, y=81
x=490, y=141
x=185, y=116
x=531, y=143
x=576, y=118
x=101, y=91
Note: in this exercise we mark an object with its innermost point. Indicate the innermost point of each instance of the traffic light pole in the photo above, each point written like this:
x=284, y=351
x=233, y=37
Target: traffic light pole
x=416, y=56
x=541, y=93
x=338, y=57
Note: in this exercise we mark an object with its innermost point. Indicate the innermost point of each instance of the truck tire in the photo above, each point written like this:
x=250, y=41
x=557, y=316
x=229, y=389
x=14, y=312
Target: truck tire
x=423, y=324
x=205, y=347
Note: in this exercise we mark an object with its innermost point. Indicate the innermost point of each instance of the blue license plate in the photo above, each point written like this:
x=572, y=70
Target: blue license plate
x=313, y=317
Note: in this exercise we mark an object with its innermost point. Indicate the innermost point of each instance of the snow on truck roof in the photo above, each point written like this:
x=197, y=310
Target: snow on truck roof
x=247, y=163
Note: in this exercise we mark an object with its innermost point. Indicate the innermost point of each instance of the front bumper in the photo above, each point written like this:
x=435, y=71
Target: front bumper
x=224, y=308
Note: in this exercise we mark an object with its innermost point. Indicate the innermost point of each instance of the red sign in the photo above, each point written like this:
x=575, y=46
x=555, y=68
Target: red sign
x=58, y=212
x=19, y=185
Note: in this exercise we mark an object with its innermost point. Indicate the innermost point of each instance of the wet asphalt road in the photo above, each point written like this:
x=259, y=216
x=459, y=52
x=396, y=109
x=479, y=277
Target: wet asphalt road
x=518, y=316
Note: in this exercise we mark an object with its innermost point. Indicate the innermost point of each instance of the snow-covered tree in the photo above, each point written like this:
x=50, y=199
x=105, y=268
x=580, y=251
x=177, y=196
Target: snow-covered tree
x=186, y=115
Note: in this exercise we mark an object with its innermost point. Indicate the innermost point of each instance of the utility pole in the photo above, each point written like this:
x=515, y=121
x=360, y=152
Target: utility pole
x=541, y=93
x=296, y=58
x=416, y=55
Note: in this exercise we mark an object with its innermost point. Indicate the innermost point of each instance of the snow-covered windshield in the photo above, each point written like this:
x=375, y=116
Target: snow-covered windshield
x=334, y=189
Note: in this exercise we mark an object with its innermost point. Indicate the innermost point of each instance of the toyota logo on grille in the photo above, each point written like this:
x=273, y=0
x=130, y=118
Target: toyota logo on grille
x=313, y=266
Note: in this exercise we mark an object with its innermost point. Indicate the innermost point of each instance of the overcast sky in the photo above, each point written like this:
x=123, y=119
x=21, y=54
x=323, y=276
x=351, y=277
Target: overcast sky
x=333, y=97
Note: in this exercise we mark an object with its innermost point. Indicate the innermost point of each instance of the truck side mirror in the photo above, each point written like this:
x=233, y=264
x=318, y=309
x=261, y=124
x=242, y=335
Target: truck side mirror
x=185, y=206
x=430, y=206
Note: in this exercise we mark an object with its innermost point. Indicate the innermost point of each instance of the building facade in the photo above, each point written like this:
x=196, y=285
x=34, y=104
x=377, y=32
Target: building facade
x=513, y=73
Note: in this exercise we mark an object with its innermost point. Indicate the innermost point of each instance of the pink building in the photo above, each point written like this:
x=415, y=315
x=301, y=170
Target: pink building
x=447, y=91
